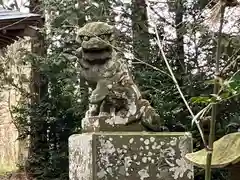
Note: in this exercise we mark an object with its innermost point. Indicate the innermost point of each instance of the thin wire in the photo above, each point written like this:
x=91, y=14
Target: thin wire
x=179, y=89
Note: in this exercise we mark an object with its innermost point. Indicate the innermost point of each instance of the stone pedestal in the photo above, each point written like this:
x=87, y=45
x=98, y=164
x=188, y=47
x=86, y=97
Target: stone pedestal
x=130, y=156
x=106, y=123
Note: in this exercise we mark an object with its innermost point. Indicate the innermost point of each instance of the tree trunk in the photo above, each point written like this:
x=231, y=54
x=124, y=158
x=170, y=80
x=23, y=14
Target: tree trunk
x=180, y=30
x=38, y=150
x=141, y=39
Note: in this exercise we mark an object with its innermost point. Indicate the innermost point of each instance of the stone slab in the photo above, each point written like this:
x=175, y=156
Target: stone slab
x=130, y=156
x=106, y=123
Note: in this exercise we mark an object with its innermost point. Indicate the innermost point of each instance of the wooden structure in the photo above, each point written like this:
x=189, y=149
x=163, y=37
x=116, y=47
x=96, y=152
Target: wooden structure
x=15, y=24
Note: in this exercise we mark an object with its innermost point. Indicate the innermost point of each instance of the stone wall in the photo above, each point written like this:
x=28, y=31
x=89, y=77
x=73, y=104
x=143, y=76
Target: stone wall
x=12, y=151
x=8, y=136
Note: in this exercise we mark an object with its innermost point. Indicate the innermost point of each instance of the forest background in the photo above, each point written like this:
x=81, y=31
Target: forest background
x=189, y=43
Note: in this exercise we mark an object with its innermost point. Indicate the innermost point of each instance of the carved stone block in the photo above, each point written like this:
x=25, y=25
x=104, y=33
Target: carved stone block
x=106, y=123
x=130, y=156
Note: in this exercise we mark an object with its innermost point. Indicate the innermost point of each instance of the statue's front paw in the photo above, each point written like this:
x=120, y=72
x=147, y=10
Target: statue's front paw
x=92, y=111
x=96, y=98
x=154, y=123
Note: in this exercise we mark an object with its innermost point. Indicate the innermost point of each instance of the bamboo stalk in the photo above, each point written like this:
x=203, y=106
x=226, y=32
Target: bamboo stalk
x=214, y=105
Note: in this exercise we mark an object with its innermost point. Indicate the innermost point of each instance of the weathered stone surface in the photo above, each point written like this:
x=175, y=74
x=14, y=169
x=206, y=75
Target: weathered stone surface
x=106, y=123
x=80, y=156
x=130, y=156
x=106, y=71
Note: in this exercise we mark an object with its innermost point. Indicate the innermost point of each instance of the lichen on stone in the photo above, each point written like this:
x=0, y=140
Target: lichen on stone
x=114, y=92
x=80, y=157
x=116, y=101
x=122, y=158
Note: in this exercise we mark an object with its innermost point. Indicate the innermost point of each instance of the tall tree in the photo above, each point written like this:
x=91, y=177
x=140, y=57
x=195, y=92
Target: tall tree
x=140, y=34
x=180, y=31
x=38, y=149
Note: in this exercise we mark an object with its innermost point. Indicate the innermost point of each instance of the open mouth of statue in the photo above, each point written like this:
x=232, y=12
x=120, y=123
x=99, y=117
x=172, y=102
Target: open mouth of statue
x=97, y=56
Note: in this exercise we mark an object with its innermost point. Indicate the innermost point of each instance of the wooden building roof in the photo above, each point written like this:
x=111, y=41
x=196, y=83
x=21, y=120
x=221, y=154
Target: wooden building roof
x=15, y=24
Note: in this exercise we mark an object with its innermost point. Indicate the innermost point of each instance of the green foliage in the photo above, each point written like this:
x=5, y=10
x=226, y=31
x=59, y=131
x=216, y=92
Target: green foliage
x=228, y=89
x=58, y=114
x=51, y=115
x=234, y=84
x=62, y=107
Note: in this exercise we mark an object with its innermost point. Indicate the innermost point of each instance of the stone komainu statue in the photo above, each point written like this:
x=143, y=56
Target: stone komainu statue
x=106, y=72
